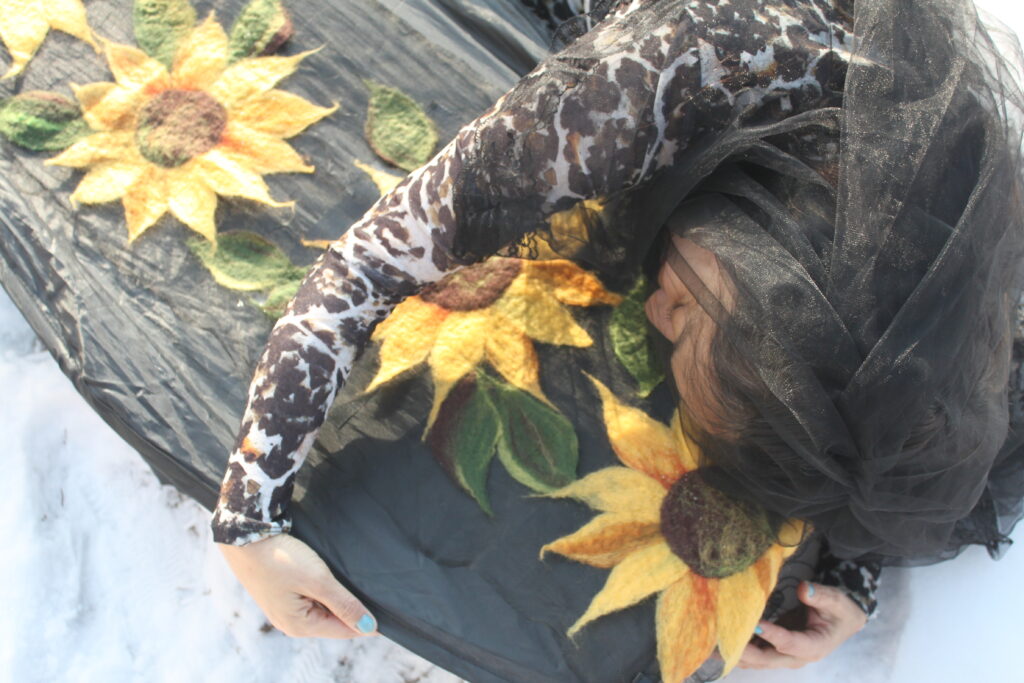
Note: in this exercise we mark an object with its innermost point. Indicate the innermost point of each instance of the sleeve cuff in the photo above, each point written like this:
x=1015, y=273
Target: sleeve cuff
x=232, y=528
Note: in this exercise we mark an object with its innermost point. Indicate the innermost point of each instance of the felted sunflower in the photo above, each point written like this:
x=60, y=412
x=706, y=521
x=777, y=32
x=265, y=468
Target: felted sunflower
x=25, y=23
x=712, y=560
x=489, y=311
x=173, y=140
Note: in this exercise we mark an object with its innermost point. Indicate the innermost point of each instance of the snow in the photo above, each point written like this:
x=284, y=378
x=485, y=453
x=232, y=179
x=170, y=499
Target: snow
x=109, y=576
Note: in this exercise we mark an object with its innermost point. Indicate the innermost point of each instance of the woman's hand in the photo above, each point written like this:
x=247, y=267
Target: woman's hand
x=296, y=590
x=832, y=617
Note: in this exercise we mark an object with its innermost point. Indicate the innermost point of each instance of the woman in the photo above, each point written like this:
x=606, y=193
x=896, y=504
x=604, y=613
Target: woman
x=817, y=292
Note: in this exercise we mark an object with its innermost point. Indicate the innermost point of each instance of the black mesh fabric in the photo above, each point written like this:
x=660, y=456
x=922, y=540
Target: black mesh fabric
x=872, y=248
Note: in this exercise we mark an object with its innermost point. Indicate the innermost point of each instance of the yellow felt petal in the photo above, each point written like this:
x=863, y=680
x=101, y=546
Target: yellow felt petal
x=640, y=441
x=279, y=113
x=685, y=624
x=741, y=601
x=69, y=16
x=134, y=69
x=606, y=540
x=202, y=56
x=192, y=203
x=620, y=490
x=95, y=149
x=23, y=28
x=512, y=354
x=230, y=178
x=106, y=182
x=791, y=534
x=528, y=302
x=107, y=106
x=145, y=201
x=642, y=573
x=248, y=78
x=385, y=182
x=458, y=348
x=261, y=152
x=408, y=336
x=571, y=284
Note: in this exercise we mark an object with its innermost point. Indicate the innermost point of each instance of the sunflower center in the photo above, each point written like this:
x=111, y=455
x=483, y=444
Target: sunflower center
x=178, y=125
x=474, y=287
x=715, y=535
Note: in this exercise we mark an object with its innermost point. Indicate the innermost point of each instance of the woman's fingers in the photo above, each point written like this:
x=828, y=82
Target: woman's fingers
x=755, y=657
x=831, y=606
x=345, y=606
x=809, y=646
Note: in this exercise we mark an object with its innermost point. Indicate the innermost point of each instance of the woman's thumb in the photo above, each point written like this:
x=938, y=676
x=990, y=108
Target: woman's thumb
x=346, y=607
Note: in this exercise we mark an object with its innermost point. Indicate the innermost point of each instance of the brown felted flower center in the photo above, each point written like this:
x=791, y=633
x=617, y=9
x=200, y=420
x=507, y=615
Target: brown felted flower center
x=178, y=125
x=716, y=535
x=477, y=286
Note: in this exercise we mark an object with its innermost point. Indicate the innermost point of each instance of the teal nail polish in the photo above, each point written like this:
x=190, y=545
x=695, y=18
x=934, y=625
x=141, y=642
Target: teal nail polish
x=366, y=624
x=758, y=631
x=810, y=590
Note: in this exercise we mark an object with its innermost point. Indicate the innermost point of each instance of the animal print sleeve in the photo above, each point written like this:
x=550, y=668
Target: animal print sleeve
x=857, y=578
x=606, y=113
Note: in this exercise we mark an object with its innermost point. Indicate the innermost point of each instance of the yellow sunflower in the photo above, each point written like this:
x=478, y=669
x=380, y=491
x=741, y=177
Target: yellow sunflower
x=490, y=311
x=25, y=23
x=175, y=140
x=662, y=529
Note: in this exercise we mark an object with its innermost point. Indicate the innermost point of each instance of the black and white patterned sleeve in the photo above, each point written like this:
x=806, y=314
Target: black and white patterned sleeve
x=857, y=578
x=655, y=74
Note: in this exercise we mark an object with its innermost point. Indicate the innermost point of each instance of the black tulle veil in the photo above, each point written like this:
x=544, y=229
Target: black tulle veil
x=874, y=246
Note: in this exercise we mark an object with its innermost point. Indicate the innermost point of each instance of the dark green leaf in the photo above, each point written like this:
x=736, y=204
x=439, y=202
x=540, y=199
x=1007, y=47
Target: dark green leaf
x=160, y=25
x=278, y=298
x=631, y=341
x=398, y=129
x=41, y=121
x=261, y=29
x=538, y=444
x=246, y=262
x=463, y=436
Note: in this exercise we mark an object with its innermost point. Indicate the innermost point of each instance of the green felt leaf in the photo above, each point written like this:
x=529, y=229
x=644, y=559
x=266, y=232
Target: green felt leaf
x=463, y=437
x=279, y=296
x=246, y=262
x=261, y=29
x=631, y=339
x=538, y=444
x=41, y=121
x=398, y=129
x=160, y=25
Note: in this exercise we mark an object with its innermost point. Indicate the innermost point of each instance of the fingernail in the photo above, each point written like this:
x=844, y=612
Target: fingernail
x=758, y=631
x=366, y=624
x=810, y=589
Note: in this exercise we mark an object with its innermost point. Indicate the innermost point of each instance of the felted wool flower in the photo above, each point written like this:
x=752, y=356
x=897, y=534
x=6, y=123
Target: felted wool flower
x=712, y=560
x=25, y=23
x=173, y=140
x=489, y=311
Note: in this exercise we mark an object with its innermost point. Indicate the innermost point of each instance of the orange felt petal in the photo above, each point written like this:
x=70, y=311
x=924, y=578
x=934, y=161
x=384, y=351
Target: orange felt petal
x=23, y=28
x=69, y=16
x=230, y=178
x=248, y=78
x=571, y=284
x=512, y=354
x=279, y=113
x=134, y=69
x=539, y=314
x=605, y=541
x=96, y=148
x=145, y=201
x=192, y=203
x=741, y=601
x=261, y=152
x=685, y=624
x=641, y=574
x=407, y=335
x=202, y=56
x=641, y=442
x=107, y=106
x=619, y=490
x=107, y=181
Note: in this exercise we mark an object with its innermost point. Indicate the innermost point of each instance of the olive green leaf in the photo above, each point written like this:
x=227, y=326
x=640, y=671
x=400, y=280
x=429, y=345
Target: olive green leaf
x=41, y=121
x=160, y=25
x=631, y=340
x=261, y=29
x=247, y=262
x=398, y=129
x=538, y=444
x=464, y=434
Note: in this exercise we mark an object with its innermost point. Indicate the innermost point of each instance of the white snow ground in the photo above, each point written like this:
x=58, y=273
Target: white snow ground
x=107, y=576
